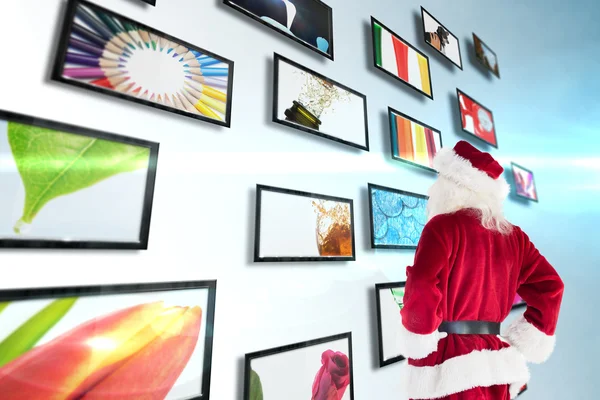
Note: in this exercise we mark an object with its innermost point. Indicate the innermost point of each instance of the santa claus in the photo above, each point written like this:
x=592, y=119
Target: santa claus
x=469, y=265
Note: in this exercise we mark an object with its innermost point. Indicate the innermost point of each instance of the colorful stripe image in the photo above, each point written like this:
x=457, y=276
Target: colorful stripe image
x=108, y=53
x=319, y=369
x=136, y=345
x=476, y=119
x=390, y=300
x=299, y=226
x=524, y=182
x=66, y=186
x=397, y=217
x=400, y=59
x=413, y=141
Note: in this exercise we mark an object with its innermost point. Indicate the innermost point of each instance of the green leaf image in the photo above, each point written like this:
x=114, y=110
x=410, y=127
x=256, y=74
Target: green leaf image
x=256, y=392
x=53, y=163
x=3, y=305
x=398, y=294
x=25, y=337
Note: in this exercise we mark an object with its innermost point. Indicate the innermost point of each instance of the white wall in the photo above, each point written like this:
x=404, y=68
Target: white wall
x=203, y=216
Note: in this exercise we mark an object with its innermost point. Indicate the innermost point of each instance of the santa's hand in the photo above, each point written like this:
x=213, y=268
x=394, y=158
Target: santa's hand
x=535, y=345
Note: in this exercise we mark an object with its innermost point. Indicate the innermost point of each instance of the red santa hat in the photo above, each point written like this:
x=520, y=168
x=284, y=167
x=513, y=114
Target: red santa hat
x=471, y=168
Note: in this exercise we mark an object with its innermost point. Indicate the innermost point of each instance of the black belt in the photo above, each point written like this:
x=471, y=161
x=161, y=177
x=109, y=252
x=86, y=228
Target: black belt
x=470, y=327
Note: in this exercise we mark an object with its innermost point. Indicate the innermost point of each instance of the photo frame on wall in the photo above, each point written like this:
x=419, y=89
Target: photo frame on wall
x=476, y=119
x=524, y=183
x=523, y=389
x=413, y=142
x=389, y=300
x=440, y=38
x=486, y=56
x=105, y=52
x=65, y=186
x=400, y=59
x=306, y=100
x=299, y=226
x=315, y=369
x=518, y=302
x=396, y=217
x=307, y=22
x=113, y=340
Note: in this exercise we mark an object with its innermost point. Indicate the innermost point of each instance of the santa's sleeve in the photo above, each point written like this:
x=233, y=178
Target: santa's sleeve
x=542, y=289
x=421, y=314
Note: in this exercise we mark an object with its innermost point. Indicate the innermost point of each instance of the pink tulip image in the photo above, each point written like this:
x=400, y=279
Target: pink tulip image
x=135, y=353
x=333, y=377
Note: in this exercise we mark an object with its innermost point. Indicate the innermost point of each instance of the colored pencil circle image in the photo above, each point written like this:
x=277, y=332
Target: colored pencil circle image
x=109, y=52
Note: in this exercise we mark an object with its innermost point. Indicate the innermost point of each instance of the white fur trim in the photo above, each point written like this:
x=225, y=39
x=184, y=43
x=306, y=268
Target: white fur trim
x=462, y=172
x=416, y=346
x=480, y=368
x=535, y=345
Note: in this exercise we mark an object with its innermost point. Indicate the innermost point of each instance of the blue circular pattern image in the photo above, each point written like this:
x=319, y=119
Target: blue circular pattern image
x=398, y=219
x=380, y=224
x=389, y=203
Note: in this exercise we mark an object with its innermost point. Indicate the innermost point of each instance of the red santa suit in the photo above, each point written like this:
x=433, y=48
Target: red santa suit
x=464, y=271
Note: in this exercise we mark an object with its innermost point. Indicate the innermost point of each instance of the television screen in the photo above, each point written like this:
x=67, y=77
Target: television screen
x=316, y=369
x=518, y=302
x=523, y=389
x=397, y=217
x=486, y=56
x=399, y=59
x=135, y=341
x=308, y=22
x=315, y=104
x=413, y=142
x=476, y=119
x=298, y=226
x=524, y=183
x=390, y=300
x=109, y=53
x=440, y=38
x=73, y=187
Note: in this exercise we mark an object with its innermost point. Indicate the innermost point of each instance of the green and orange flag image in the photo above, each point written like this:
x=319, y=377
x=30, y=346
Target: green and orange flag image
x=398, y=58
x=137, y=352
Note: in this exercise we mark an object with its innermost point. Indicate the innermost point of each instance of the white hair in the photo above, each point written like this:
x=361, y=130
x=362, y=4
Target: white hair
x=447, y=196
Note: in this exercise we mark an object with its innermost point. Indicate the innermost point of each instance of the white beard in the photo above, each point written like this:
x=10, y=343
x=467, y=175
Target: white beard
x=446, y=197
